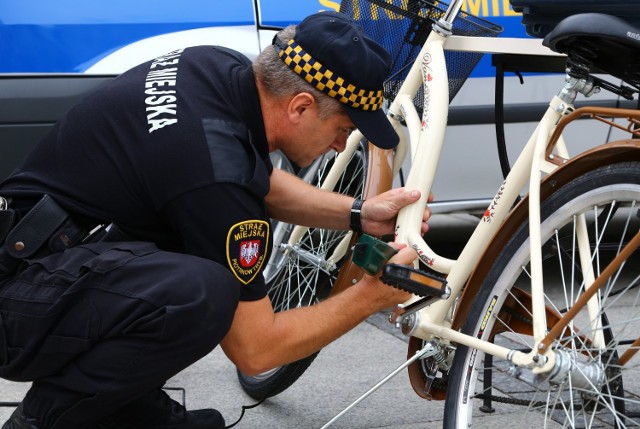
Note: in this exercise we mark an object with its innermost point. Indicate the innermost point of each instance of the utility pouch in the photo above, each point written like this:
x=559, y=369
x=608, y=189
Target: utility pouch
x=35, y=229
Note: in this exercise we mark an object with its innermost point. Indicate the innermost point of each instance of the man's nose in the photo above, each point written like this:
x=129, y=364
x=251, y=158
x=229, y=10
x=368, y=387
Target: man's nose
x=340, y=143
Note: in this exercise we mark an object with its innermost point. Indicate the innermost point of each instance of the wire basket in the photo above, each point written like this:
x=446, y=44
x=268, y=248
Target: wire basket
x=402, y=27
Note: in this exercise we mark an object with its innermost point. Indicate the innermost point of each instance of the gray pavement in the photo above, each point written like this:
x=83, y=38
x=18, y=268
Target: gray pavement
x=341, y=373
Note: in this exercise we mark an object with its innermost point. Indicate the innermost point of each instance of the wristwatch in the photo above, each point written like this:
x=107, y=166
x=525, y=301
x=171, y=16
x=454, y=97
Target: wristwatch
x=356, y=215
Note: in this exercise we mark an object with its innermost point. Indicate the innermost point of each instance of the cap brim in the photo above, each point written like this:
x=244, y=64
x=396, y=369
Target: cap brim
x=375, y=127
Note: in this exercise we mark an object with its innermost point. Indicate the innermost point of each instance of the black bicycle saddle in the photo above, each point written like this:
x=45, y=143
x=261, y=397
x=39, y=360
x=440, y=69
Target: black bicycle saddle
x=604, y=42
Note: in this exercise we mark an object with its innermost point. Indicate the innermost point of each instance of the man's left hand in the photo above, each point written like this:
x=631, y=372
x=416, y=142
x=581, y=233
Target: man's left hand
x=379, y=213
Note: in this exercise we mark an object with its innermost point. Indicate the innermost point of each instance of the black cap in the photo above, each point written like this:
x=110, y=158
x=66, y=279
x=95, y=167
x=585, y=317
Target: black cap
x=334, y=55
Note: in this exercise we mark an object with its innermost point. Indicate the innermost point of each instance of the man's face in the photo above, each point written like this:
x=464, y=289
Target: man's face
x=316, y=136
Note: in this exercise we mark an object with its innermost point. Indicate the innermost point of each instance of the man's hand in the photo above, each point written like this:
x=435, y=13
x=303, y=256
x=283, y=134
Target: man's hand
x=384, y=295
x=379, y=213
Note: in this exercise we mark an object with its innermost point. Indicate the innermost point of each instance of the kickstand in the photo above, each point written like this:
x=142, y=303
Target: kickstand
x=427, y=351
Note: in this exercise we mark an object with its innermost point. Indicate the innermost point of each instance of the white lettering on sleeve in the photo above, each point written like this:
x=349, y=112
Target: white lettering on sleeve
x=161, y=106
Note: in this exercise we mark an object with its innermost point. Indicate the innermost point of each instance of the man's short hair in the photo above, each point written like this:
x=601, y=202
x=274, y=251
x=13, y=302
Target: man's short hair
x=280, y=81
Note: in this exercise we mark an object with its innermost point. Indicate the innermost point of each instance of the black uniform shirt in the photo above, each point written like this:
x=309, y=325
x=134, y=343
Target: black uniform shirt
x=174, y=151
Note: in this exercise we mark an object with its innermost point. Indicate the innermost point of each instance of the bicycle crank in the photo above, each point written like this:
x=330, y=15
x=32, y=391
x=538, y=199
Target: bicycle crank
x=372, y=255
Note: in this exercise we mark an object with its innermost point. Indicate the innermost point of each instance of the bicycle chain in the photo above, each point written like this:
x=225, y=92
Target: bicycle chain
x=518, y=315
x=510, y=401
x=524, y=402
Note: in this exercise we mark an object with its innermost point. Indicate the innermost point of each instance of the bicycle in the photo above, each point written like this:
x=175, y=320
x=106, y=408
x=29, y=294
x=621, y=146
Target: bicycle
x=498, y=332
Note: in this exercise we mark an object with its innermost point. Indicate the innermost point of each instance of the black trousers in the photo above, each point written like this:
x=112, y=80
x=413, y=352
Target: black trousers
x=98, y=325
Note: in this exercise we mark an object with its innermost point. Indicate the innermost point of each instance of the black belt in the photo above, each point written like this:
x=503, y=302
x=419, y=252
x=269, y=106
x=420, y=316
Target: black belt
x=46, y=228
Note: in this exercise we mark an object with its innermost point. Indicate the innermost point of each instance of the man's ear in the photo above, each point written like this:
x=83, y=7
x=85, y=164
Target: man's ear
x=301, y=104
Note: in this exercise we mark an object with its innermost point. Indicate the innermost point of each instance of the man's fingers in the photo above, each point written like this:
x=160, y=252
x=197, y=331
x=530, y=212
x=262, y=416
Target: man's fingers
x=405, y=198
x=405, y=256
x=427, y=214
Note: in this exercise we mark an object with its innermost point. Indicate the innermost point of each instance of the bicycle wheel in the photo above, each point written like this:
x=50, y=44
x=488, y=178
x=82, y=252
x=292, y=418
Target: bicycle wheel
x=302, y=274
x=592, y=387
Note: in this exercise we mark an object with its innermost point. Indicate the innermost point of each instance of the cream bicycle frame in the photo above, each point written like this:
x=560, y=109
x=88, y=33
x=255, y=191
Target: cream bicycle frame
x=425, y=138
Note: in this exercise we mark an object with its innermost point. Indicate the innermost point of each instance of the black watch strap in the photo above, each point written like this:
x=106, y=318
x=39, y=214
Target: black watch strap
x=356, y=215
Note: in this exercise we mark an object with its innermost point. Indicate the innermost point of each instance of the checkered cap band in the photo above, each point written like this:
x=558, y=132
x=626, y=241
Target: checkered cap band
x=325, y=80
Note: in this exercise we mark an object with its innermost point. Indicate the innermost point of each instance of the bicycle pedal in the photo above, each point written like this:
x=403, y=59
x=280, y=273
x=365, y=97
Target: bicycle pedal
x=415, y=281
x=370, y=254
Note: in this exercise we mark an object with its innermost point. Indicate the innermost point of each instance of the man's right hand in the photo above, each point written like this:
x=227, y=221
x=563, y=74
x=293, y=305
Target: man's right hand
x=390, y=296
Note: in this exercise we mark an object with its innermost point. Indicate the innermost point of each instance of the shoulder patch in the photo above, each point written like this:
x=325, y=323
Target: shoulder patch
x=247, y=248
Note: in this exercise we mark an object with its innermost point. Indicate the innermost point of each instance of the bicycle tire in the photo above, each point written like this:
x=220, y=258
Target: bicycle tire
x=609, y=196
x=295, y=277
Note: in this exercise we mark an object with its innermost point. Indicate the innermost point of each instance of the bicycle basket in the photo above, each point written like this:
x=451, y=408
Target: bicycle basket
x=402, y=27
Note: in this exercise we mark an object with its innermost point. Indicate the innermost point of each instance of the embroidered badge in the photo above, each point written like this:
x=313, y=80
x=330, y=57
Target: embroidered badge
x=247, y=248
